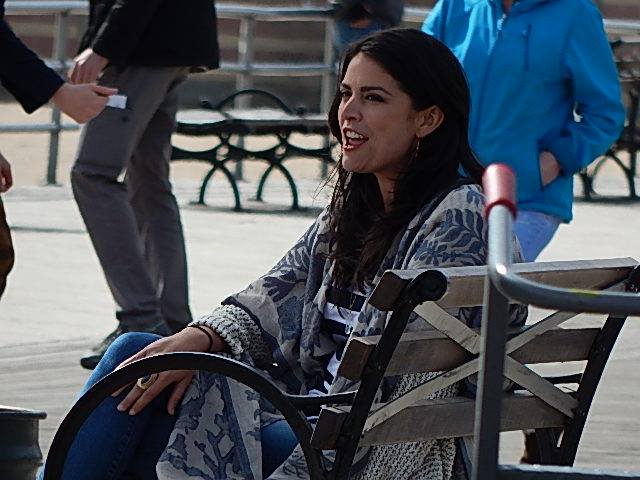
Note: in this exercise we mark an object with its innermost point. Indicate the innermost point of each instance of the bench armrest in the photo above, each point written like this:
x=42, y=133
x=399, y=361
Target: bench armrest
x=238, y=371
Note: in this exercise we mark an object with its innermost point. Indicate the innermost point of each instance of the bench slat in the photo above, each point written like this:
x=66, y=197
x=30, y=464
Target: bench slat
x=432, y=351
x=466, y=284
x=441, y=418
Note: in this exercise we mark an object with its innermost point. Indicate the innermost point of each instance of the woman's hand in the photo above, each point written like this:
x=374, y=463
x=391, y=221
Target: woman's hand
x=187, y=340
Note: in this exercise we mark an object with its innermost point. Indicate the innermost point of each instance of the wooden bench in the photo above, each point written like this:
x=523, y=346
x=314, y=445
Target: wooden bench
x=229, y=127
x=556, y=408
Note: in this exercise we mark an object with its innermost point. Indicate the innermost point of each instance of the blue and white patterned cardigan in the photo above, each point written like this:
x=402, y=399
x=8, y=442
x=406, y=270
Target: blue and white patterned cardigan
x=277, y=319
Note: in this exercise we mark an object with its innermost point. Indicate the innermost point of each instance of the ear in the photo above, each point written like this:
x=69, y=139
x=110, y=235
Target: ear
x=428, y=120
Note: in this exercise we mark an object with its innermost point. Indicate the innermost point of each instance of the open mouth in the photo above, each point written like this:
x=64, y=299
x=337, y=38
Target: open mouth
x=352, y=139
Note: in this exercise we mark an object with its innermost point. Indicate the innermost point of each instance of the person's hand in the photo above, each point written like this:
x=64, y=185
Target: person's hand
x=86, y=67
x=549, y=168
x=6, y=179
x=82, y=102
x=187, y=340
x=363, y=22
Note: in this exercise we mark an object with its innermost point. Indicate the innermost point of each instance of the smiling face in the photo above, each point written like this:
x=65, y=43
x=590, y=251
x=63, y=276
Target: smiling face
x=378, y=124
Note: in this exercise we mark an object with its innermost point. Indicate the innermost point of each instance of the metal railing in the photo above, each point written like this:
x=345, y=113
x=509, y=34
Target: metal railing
x=245, y=69
x=503, y=285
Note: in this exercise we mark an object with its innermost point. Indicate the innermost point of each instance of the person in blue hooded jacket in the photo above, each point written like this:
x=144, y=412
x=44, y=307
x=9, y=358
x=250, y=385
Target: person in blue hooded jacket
x=545, y=96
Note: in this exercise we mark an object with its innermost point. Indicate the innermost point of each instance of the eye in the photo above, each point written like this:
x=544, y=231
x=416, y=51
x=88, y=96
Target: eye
x=345, y=93
x=372, y=97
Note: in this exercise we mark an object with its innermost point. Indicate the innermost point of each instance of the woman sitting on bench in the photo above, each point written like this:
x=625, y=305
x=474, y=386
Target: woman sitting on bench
x=401, y=114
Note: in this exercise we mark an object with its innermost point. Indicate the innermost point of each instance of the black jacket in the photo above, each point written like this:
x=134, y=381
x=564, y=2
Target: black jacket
x=387, y=12
x=22, y=72
x=153, y=32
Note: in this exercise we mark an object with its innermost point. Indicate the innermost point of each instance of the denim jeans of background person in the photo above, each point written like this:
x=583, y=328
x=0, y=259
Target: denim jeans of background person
x=145, y=49
x=33, y=84
x=530, y=64
x=355, y=19
x=534, y=231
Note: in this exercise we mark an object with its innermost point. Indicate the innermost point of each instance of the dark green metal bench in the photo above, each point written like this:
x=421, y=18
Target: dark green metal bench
x=228, y=128
x=627, y=55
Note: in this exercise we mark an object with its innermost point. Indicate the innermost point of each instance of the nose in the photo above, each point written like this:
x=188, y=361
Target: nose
x=350, y=109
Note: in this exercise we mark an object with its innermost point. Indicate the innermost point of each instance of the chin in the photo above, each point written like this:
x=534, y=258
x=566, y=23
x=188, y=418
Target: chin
x=353, y=167
x=351, y=164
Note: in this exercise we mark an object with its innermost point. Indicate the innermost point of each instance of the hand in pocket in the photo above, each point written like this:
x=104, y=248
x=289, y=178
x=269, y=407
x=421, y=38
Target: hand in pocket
x=549, y=168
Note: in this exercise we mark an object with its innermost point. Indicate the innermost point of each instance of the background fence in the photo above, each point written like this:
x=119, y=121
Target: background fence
x=245, y=62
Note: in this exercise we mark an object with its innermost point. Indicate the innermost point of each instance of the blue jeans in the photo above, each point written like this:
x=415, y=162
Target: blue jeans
x=345, y=35
x=114, y=445
x=534, y=231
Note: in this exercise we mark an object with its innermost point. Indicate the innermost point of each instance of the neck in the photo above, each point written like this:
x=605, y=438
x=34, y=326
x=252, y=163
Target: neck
x=507, y=4
x=386, y=190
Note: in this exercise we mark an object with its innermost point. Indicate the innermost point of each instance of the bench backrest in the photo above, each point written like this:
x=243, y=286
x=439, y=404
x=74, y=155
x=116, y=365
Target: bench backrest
x=452, y=348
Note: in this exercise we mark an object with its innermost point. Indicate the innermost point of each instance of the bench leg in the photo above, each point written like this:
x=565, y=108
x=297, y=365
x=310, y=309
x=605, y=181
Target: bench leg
x=292, y=184
x=600, y=351
x=230, y=178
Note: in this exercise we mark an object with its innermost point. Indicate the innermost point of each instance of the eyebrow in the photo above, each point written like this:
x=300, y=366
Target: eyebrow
x=369, y=89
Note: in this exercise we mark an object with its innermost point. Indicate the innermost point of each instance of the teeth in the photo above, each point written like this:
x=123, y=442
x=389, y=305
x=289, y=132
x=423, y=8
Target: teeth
x=354, y=135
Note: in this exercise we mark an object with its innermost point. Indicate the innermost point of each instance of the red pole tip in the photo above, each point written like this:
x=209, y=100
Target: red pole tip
x=499, y=184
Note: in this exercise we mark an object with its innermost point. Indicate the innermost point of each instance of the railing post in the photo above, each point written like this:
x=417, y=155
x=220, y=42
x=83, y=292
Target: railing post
x=495, y=314
x=244, y=80
x=60, y=54
x=328, y=81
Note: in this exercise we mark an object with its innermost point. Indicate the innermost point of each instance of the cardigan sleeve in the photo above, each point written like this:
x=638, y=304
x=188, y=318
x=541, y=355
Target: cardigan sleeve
x=23, y=73
x=269, y=310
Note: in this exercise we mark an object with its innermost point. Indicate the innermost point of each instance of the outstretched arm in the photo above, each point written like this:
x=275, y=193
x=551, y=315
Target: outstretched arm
x=23, y=73
x=33, y=84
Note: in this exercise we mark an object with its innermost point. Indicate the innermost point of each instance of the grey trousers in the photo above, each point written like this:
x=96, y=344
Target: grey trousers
x=135, y=225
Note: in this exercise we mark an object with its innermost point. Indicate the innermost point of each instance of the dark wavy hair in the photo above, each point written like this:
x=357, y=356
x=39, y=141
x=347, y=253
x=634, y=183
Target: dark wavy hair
x=429, y=73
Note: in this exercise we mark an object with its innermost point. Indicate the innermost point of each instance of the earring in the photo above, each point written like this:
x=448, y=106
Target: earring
x=415, y=152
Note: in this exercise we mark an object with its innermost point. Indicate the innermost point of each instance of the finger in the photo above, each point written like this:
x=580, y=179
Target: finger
x=119, y=391
x=94, y=72
x=89, y=75
x=129, y=399
x=73, y=73
x=104, y=91
x=149, y=394
x=82, y=75
x=132, y=358
x=178, y=393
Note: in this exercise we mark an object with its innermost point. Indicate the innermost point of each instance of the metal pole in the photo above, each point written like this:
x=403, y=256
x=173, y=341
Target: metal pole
x=60, y=54
x=244, y=80
x=490, y=378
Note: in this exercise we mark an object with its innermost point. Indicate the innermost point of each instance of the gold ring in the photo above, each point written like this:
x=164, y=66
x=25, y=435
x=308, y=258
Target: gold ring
x=145, y=382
